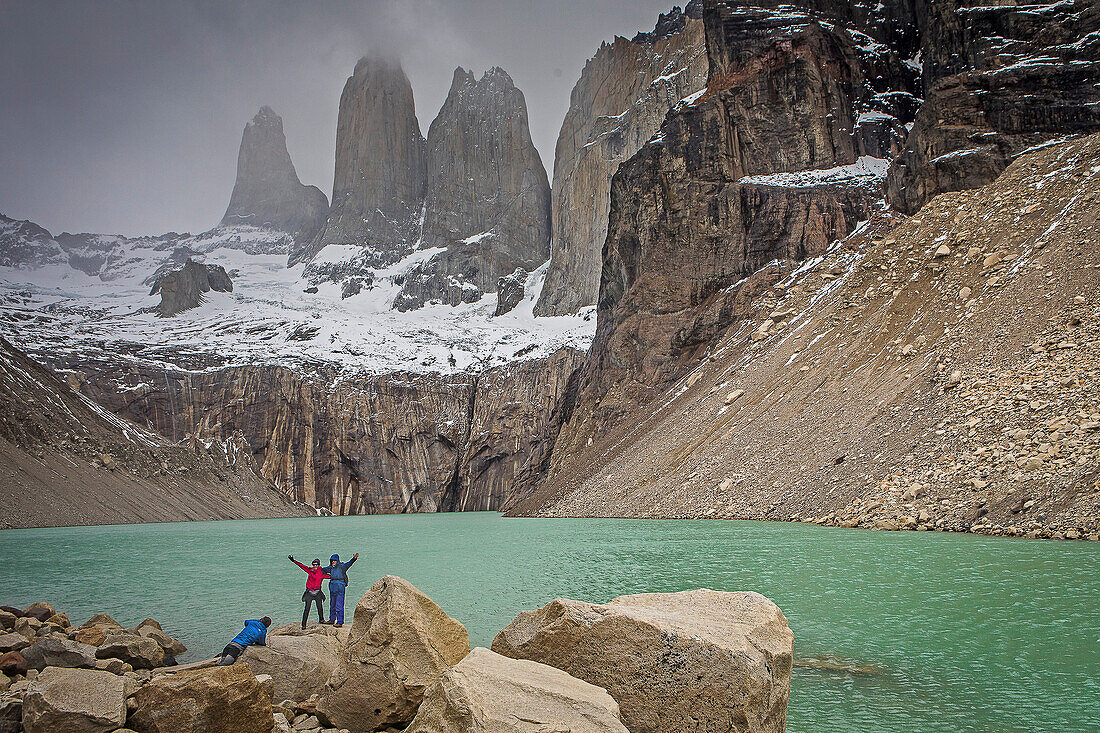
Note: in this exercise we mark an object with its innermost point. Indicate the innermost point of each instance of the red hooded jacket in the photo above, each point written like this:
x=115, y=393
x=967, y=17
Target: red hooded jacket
x=315, y=576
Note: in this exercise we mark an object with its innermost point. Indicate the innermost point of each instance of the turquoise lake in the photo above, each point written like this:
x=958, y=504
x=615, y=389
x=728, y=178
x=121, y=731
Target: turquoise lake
x=960, y=632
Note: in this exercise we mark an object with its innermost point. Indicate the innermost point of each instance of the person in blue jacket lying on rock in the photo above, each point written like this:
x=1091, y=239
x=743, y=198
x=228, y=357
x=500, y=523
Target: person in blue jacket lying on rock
x=337, y=582
x=255, y=632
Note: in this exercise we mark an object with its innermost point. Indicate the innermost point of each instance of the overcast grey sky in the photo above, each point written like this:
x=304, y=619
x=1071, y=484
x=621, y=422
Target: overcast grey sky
x=125, y=117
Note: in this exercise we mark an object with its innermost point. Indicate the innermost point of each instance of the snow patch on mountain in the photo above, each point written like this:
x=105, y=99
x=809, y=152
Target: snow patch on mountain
x=100, y=300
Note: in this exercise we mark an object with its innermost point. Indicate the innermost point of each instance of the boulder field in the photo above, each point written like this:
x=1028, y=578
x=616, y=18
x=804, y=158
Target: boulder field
x=695, y=660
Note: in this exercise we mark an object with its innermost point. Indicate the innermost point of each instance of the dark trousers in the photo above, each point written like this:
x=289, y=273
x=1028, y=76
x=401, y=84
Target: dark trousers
x=230, y=653
x=320, y=611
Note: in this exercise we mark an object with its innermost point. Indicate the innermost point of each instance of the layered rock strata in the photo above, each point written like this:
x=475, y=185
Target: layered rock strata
x=390, y=443
x=380, y=175
x=267, y=192
x=999, y=78
x=618, y=104
x=488, y=199
x=67, y=461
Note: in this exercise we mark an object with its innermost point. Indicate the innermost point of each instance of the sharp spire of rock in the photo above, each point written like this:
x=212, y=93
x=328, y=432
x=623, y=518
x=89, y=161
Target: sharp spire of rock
x=267, y=192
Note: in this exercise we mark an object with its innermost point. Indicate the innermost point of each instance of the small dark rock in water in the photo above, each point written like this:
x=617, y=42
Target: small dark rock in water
x=835, y=664
x=311, y=290
x=183, y=289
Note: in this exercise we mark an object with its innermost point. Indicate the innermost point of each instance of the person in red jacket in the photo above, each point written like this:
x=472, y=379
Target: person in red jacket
x=313, y=594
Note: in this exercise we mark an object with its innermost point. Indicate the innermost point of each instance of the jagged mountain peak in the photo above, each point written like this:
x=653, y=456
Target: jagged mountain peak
x=266, y=117
x=488, y=194
x=267, y=192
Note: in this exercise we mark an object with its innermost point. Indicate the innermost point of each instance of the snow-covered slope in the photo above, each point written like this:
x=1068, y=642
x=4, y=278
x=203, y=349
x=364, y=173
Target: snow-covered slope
x=99, y=299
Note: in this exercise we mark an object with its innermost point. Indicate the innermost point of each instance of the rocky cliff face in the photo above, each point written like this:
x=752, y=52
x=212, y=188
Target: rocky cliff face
x=25, y=245
x=67, y=461
x=380, y=176
x=765, y=165
x=999, y=78
x=183, y=289
x=933, y=373
x=618, y=104
x=390, y=443
x=488, y=199
x=759, y=355
x=267, y=192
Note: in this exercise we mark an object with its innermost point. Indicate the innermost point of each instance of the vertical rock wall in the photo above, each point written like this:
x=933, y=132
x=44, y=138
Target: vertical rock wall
x=380, y=175
x=389, y=443
x=618, y=104
x=488, y=200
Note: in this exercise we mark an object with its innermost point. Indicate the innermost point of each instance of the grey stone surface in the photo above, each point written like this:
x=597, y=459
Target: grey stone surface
x=267, y=192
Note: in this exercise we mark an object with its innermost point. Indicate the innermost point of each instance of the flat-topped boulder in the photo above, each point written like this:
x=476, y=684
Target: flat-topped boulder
x=490, y=693
x=400, y=644
x=299, y=663
x=74, y=701
x=695, y=660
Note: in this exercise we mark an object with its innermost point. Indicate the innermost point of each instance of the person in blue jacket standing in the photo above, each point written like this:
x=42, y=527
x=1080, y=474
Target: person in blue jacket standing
x=255, y=632
x=337, y=582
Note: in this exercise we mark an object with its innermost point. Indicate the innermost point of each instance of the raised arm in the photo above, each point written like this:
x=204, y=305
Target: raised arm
x=303, y=567
x=349, y=562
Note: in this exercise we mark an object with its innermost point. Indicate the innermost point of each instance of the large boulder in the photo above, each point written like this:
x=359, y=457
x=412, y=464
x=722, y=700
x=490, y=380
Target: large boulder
x=74, y=701
x=400, y=644
x=696, y=660
x=217, y=700
x=140, y=651
x=299, y=664
x=101, y=621
x=492, y=693
x=54, y=651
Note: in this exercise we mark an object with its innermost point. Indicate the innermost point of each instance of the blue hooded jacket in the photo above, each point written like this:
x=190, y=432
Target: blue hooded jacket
x=254, y=633
x=338, y=573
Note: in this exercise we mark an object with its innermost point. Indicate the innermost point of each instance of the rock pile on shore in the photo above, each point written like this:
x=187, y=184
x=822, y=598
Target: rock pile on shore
x=659, y=661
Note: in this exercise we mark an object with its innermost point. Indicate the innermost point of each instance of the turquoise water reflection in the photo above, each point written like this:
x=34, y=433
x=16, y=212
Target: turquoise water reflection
x=960, y=632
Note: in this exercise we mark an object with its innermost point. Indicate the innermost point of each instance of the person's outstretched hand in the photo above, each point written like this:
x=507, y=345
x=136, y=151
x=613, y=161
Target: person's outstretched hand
x=355, y=556
x=290, y=557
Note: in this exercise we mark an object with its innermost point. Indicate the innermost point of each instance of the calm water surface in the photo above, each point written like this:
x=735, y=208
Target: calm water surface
x=962, y=633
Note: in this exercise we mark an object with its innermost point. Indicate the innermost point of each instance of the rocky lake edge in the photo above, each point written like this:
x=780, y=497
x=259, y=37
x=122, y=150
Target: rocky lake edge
x=640, y=664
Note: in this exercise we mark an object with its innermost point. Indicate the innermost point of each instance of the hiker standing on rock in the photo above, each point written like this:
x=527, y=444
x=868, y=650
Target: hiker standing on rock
x=314, y=577
x=338, y=581
x=255, y=632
